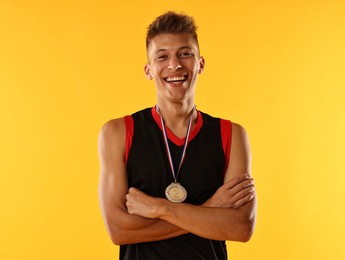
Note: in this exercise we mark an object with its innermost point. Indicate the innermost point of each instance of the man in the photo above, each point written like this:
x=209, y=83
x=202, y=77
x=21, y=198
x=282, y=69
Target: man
x=175, y=182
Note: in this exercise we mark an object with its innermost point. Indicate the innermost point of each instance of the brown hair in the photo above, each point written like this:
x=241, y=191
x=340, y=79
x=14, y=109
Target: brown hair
x=171, y=22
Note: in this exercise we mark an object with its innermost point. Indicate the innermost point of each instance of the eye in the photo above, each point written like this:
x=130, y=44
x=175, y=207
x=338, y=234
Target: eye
x=186, y=54
x=162, y=57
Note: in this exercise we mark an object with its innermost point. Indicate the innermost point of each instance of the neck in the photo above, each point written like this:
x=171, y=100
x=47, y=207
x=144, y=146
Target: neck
x=176, y=116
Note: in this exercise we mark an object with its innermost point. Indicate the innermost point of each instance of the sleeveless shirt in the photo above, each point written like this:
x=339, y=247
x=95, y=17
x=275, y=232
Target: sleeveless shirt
x=202, y=173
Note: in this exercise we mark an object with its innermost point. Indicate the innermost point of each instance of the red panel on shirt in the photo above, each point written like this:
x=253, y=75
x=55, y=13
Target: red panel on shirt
x=129, y=134
x=226, y=133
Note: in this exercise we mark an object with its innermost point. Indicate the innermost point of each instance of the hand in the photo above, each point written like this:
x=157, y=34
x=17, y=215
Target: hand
x=234, y=193
x=141, y=204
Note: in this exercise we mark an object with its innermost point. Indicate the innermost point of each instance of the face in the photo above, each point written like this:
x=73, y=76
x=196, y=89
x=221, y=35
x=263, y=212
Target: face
x=174, y=64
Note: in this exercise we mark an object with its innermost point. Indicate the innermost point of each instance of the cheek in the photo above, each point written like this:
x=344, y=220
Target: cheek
x=193, y=65
x=196, y=70
x=157, y=70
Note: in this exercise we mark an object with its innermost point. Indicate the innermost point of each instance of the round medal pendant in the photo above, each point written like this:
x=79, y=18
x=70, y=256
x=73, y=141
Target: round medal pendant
x=175, y=192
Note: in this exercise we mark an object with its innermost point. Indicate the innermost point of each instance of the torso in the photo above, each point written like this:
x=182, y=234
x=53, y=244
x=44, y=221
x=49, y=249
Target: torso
x=201, y=174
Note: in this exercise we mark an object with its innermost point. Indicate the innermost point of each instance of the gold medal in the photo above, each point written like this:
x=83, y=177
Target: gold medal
x=175, y=192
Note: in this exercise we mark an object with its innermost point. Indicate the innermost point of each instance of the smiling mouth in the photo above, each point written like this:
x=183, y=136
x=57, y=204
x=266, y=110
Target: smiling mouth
x=176, y=79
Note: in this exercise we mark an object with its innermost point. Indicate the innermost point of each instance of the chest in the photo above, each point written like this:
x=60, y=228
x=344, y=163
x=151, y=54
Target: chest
x=201, y=173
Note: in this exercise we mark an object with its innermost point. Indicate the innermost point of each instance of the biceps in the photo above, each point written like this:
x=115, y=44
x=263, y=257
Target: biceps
x=112, y=191
x=240, y=155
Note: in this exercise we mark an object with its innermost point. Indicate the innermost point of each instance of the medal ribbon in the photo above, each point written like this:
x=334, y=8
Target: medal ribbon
x=167, y=144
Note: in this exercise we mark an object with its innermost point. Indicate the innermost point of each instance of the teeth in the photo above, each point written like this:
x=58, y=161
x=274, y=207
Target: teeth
x=175, y=78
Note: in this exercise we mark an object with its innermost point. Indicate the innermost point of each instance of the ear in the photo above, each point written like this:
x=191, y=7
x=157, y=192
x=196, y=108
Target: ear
x=201, y=65
x=147, y=70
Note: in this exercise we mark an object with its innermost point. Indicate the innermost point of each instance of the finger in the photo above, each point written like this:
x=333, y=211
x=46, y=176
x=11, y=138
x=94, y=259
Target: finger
x=132, y=190
x=243, y=194
x=127, y=197
x=244, y=200
x=241, y=186
x=128, y=205
x=231, y=197
x=234, y=198
x=236, y=180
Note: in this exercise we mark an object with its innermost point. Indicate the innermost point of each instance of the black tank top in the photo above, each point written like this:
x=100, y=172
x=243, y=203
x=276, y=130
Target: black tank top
x=201, y=174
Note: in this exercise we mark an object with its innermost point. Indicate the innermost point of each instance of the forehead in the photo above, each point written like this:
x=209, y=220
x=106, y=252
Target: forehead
x=172, y=41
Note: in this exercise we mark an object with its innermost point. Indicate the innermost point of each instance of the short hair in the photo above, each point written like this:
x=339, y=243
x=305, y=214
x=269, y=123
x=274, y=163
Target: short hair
x=171, y=22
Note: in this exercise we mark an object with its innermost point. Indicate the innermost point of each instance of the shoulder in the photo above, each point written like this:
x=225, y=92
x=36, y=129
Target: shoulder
x=239, y=136
x=112, y=134
x=240, y=147
x=113, y=127
x=238, y=131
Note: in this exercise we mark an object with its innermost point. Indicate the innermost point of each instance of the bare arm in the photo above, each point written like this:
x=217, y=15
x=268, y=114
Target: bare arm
x=123, y=228
x=219, y=223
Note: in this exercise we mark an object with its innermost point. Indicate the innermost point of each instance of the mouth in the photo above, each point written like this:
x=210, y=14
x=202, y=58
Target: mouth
x=176, y=79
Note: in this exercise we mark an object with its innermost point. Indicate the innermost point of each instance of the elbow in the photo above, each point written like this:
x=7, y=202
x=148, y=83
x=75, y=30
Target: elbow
x=116, y=232
x=246, y=231
x=117, y=238
x=246, y=225
x=241, y=232
x=246, y=235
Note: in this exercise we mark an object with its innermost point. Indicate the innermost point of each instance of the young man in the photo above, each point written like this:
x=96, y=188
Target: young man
x=175, y=182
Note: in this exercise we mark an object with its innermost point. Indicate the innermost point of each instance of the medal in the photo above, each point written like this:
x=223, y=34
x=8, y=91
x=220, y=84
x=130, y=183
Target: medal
x=175, y=192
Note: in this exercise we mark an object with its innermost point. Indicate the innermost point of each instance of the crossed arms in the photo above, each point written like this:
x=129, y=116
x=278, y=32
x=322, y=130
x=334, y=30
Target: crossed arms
x=132, y=216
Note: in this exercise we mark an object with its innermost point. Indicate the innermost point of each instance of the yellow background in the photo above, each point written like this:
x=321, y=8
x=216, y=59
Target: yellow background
x=66, y=67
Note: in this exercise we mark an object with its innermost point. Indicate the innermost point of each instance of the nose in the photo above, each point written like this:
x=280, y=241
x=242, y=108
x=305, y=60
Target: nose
x=174, y=64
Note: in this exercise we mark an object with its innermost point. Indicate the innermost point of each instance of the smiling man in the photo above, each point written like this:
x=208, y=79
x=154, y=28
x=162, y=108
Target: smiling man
x=175, y=183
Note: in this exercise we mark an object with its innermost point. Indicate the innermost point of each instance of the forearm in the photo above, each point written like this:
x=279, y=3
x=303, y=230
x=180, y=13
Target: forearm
x=212, y=223
x=124, y=228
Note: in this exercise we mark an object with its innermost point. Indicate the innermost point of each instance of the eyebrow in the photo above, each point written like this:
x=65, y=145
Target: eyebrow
x=181, y=48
